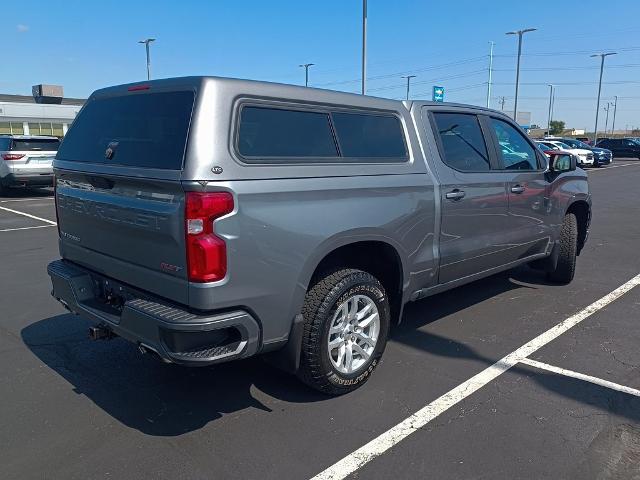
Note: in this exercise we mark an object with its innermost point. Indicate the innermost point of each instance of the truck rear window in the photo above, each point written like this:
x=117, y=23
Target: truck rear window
x=35, y=145
x=138, y=130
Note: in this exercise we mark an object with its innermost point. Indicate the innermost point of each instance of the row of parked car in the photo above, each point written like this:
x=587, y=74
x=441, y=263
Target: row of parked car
x=587, y=155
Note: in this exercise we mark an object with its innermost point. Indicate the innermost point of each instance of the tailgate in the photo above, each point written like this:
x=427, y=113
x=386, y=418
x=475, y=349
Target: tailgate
x=128, y=229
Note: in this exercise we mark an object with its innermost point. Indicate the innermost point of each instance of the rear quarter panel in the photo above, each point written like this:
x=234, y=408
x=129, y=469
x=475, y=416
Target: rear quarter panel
x=283, y=228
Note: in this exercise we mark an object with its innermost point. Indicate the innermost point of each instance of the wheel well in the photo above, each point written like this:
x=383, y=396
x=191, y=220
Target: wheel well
x=378, y=258
x=583, y=214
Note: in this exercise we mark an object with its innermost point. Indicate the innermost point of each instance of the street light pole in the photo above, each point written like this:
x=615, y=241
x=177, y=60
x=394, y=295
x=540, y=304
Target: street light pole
x=615, y=108
x=606, y=121
x=519, y=33
x=549, y=115
x=306, y=72
x=408, y=77
x=146, y=45
x=490, y=73
x=602, y=57
x=364, y=46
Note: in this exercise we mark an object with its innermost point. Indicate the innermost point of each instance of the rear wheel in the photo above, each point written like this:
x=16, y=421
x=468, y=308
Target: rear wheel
x=346, y=323
x=568, y=245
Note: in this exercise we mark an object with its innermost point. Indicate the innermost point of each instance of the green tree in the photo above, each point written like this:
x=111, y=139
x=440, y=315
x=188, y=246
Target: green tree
x=556, y=127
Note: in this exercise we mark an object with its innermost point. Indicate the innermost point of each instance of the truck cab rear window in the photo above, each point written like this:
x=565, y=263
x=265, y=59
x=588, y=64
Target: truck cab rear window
x=137, y=130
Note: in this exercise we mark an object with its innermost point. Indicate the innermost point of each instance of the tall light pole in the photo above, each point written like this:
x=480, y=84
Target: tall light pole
x=549, y=116
x=606, y=119
x=306, y=72
x=146, y=45
x=519, y=33
x=615, y=107
x=364, y=46
x=408, y=77
x=602, y=57
x=490, y=73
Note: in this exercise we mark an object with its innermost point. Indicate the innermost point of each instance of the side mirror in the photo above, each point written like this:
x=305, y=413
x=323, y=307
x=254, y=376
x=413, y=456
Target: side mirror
x=562, y=162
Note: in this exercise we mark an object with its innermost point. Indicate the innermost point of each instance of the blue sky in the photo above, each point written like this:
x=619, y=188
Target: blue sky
x=87, y=45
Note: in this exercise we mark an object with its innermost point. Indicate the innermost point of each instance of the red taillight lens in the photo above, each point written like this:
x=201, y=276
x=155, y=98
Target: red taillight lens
x=206, y=252
x=55, y=201
x=12, y=156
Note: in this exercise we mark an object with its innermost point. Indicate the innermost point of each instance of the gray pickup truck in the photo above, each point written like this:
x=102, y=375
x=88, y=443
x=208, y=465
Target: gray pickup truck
x=210, y=219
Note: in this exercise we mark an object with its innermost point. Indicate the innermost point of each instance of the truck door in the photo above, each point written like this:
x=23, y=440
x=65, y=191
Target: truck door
x=523, y=169
x=473, y=197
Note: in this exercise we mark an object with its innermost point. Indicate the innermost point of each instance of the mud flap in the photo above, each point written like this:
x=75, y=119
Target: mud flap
x=288, y=357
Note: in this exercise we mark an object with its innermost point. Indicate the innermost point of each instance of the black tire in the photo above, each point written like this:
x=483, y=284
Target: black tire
x=321, y=303
x=568, y=245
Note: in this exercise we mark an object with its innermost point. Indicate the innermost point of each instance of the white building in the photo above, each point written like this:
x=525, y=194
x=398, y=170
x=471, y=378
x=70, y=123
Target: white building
x=25, y=115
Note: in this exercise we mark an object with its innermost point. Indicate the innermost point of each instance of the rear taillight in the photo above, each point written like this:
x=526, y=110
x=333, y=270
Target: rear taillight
x=12, y=156
x=206, y=252
x=55, y=202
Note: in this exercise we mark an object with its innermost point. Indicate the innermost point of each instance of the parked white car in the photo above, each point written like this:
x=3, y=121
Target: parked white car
x=585, y=157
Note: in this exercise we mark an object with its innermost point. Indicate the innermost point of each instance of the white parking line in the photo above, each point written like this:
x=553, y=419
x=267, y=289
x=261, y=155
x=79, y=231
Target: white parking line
x=26, y=199
x=394, y=435
x=28, y=215
x=613, y=166
x=580, y=376
x=25, y=228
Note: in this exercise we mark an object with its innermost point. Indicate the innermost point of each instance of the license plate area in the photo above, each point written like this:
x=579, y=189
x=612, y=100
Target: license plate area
x=110, y=296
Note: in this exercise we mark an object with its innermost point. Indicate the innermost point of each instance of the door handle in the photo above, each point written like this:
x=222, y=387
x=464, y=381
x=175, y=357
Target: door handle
x=517, y=189
x=455, y=195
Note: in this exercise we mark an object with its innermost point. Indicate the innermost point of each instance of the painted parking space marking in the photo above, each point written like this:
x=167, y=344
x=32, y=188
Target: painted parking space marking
x=24, y=228
x=614, y=166
x=580, y=376
x=28, y=215
x=379, y=445
x=31, y=199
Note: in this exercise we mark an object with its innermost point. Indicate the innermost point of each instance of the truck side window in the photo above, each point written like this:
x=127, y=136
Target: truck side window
x=370, y=136
x=463, y=144
x=275, y=132
x=516, y=153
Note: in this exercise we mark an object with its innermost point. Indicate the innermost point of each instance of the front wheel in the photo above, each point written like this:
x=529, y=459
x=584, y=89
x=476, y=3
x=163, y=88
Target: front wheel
x=568, y=245
x=346, y=323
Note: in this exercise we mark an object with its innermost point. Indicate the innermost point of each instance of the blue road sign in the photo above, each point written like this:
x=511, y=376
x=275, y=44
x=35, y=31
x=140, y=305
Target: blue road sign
x=438, y=94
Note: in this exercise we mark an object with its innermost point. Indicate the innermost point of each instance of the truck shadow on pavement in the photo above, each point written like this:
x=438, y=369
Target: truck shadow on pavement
x=145, y=394
x=170, y=400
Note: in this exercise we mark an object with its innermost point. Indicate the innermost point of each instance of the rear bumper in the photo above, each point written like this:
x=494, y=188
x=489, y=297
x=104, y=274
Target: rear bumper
x=604, y=160
x=31, y=180
x=175, y=334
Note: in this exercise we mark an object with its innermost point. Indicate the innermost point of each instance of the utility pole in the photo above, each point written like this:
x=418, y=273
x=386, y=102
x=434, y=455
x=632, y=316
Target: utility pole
x=306, y=72
x=490, y=73
x=146, y=45
x=602, y=57
x=615, y=108
x=364, y=46
x=409, y=77
x=549, y=115
x=606, y=121
x=501, y=102
x=519, y=33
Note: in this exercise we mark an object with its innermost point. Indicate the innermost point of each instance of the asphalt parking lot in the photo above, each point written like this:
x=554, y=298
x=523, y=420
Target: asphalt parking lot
x=478, y=382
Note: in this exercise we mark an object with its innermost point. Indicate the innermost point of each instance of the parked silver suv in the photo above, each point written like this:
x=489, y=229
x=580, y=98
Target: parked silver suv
x=210, y=219
x=26, y=161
